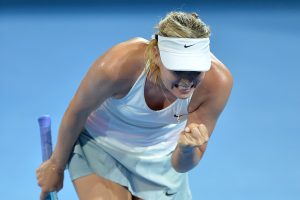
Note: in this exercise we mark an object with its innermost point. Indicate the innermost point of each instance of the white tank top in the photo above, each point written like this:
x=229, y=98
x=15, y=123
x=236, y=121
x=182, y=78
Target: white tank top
x=130, y=125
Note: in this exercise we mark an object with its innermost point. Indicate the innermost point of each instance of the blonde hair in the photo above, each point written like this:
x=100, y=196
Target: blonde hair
x=175, y=24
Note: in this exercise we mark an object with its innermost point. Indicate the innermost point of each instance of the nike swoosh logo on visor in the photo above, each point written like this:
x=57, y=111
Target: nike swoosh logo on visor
x=187, y=46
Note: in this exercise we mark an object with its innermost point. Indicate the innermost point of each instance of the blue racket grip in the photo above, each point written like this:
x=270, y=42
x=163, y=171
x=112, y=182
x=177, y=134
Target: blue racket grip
x=52, y=196
x=46, y=144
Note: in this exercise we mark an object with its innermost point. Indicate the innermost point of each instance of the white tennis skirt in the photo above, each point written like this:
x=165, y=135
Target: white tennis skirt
x=147, y=177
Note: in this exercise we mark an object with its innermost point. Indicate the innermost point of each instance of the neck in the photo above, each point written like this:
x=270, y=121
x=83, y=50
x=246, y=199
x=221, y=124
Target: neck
x=165, y=92
x=154, y=96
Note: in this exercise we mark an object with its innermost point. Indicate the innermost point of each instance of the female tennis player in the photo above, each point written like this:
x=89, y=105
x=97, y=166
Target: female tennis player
x=142, y=116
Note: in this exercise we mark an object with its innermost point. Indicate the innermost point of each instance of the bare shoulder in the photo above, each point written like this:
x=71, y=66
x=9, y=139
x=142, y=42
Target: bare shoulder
x=214, y=92
x=219, y=77
x=123, y=63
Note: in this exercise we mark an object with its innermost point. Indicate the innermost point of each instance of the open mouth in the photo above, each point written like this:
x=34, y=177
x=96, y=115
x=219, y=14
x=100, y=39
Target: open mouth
x=184, y=89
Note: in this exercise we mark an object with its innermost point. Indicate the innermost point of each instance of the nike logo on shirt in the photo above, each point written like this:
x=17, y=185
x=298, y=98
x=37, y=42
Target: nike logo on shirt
x=170, y=194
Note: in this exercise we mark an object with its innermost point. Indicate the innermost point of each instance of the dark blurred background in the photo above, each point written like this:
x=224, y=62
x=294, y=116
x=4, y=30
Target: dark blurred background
x=254, y=3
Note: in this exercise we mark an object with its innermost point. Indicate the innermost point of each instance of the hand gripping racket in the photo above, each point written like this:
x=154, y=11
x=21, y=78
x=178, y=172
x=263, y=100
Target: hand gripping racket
x=46, y=143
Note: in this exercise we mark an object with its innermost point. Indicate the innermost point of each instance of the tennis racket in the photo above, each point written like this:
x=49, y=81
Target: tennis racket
x=46, y=143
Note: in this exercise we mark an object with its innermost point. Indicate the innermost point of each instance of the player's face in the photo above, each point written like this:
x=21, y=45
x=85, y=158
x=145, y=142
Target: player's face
x=181, y=83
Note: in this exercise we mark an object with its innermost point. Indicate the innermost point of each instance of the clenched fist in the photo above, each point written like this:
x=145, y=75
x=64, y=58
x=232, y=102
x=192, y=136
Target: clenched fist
x=194, y=135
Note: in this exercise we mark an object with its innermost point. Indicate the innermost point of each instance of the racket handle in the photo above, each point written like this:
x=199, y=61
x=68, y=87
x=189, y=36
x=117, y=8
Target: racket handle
x=46, y=144
x=45, y=134
x=52, y=196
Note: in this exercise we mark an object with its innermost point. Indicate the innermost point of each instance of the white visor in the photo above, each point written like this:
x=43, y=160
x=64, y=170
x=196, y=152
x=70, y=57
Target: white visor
x=185, y=54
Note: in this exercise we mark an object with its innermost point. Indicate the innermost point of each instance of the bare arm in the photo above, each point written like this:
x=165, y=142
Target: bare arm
x=203, y=115
x=103, y=80
x=110, y=75
x=98, y=84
